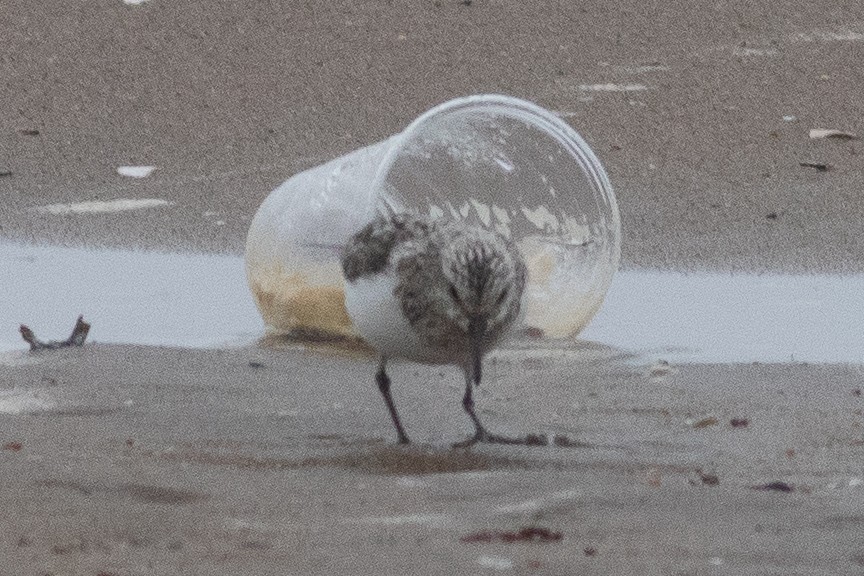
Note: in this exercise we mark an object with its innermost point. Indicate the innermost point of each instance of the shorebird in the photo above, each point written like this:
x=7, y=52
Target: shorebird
x=433, y=291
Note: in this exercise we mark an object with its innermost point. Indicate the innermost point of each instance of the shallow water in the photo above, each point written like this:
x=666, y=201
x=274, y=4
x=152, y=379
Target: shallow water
x=151, y=298
x=734, y=317
x=195, y=300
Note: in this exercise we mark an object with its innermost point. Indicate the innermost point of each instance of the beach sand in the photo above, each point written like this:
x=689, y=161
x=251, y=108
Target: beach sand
x=279, y=459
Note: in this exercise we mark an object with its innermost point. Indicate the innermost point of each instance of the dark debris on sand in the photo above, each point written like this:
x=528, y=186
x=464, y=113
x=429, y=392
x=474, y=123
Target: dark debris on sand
x=527, y=534
x=774, y=487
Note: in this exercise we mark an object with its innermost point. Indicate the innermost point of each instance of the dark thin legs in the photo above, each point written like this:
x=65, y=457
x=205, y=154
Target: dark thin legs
x=384, y=386
x=480, y=433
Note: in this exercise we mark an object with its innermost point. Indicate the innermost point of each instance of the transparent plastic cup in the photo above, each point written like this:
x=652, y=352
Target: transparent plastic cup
x=497, y=161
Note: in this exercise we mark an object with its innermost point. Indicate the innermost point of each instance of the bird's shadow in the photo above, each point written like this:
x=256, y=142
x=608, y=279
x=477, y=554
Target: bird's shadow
x=391, y=458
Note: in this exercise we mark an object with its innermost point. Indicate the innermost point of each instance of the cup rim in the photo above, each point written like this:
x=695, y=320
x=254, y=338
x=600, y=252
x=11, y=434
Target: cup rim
x=539, y=117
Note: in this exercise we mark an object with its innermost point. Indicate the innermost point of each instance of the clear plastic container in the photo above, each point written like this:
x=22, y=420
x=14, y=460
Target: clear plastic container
x=494, y=160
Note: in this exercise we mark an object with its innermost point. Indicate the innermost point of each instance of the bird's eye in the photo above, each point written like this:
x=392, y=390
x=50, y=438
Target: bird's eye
x=454, y=294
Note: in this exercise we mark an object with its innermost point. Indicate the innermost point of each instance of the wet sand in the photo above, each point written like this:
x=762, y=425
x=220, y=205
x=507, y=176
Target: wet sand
x=130, y=460
x=273, y=460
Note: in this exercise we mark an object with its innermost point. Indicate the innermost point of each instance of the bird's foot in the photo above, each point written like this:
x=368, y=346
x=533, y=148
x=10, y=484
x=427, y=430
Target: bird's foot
x=468, y=441
x=403, y=439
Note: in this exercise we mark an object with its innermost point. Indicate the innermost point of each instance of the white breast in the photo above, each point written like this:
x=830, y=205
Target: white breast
x=377, y=315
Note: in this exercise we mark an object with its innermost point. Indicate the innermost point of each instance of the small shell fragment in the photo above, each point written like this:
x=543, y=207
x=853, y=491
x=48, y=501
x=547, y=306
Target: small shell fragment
x=818, y=133
x=660, y=368
x=702, y=422
x=135, y=171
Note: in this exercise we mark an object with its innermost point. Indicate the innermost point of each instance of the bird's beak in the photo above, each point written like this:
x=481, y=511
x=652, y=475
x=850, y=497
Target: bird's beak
x=476, y=333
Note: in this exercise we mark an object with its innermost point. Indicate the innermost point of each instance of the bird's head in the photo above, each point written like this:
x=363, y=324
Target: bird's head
x=485, y=280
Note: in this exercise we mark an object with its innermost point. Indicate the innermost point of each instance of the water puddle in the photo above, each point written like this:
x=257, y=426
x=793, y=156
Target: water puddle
x=195, y=300
x=734, y=318
x=134, y=297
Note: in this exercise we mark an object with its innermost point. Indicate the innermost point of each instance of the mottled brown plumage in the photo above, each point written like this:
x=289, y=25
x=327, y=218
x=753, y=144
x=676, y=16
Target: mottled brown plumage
x=369, y=249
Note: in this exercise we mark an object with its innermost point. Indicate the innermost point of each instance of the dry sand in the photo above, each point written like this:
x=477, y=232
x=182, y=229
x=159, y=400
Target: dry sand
x=265, y=460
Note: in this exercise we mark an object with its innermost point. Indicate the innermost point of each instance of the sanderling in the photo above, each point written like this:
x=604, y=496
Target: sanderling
x=433, y=291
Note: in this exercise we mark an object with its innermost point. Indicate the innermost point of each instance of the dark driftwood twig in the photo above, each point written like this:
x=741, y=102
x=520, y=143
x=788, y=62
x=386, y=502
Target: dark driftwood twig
x=79, y=334
x=819, y=166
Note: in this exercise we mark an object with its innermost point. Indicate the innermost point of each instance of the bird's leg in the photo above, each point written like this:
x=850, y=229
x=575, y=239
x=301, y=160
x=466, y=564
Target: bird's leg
x=473, y=371
x=384, y=386
x=480, y=433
